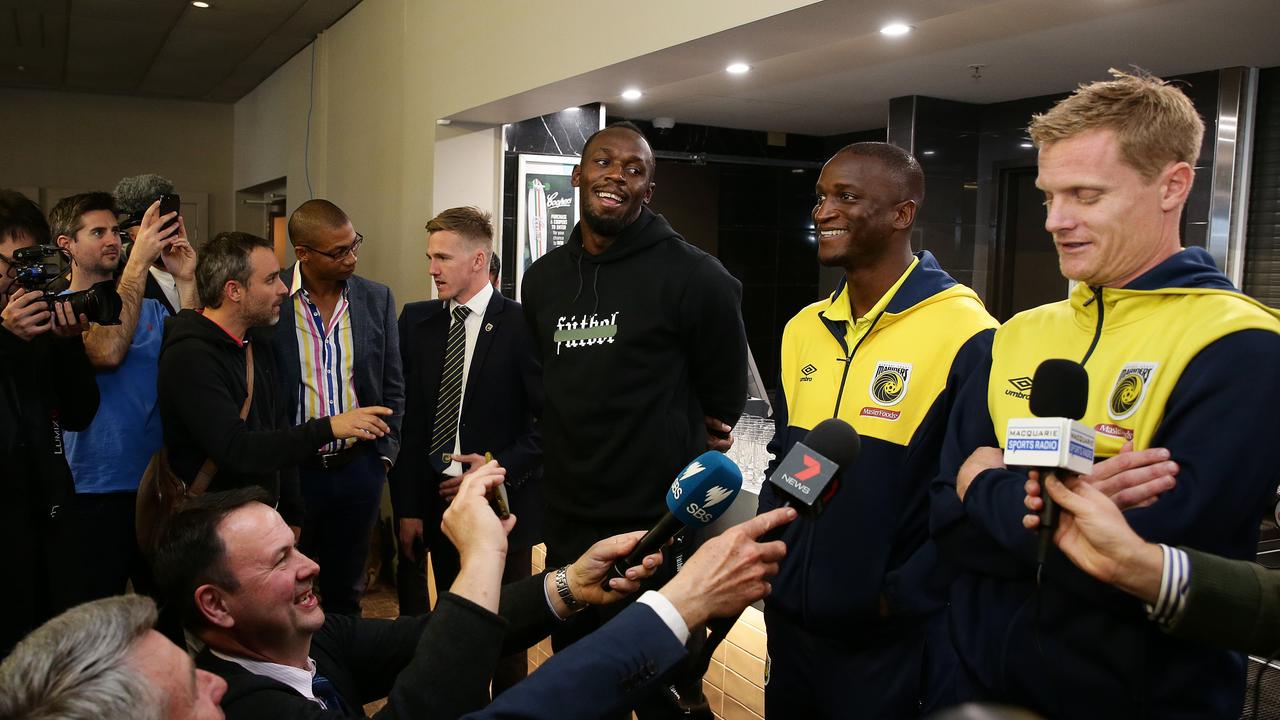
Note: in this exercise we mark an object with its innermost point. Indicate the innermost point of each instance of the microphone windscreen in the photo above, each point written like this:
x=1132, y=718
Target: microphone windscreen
x=1060, y=388
x=135, y=194
x=836, y=440
x=704, y=489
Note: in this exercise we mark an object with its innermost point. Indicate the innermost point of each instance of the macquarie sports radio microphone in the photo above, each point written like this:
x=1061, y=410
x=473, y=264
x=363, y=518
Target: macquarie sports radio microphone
x=808, y=476
x=701, y=493
x=1054, y=442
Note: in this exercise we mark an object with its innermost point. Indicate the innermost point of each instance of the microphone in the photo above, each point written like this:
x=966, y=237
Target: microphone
x=135, y=194
x=700, y=494
x=1054, y=441
x=808, y=477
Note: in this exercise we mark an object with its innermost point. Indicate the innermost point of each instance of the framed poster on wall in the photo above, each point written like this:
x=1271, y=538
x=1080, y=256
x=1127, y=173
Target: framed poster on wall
x=546, y=207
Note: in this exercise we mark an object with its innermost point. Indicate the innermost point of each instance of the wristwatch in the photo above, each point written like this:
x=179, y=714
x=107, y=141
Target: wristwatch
x=562, y=589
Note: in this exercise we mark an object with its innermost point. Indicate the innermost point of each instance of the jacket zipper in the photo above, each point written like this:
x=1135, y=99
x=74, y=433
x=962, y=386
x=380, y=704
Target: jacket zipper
x=1097, y=332
x=809, y=529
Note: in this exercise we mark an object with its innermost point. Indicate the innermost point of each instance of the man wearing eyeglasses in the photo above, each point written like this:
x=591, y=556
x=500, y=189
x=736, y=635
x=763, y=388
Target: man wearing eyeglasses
x=337, y=348
x=46, y=385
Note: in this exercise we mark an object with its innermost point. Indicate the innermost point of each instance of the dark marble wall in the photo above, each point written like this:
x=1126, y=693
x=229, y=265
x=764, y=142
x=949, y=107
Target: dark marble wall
x=561, y=133
x=964, y=148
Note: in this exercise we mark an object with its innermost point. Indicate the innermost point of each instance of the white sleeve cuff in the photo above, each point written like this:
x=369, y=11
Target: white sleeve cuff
x=1174, y=580
x=667, y=613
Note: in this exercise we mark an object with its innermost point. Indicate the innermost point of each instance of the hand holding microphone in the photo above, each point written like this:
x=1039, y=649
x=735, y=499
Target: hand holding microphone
x=1054, y=442
x=700, y=494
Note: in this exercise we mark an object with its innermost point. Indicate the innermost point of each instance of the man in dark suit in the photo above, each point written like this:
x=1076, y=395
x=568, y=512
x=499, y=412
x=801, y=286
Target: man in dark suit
x=337, y=348
x=476, y=396
x=272, y=653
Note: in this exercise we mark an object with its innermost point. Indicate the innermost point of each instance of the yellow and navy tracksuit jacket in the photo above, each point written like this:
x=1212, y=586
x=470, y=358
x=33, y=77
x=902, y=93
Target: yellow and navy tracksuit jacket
x=892, y=374
x=1177, y=359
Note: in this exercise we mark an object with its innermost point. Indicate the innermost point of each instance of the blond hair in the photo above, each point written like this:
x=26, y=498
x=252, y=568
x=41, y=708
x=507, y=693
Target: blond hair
x=471, y=223
x=1155, y=122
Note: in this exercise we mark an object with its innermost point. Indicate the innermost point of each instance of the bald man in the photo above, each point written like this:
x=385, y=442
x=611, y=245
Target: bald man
x=337, y=348
x=856, y=608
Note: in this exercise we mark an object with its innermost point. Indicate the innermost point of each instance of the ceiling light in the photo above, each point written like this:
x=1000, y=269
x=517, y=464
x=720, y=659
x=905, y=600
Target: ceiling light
x=1026, y=145
x=444, y=121
x=571, y=109
x=737, y=68
x=631, y=94
x=200, y=4
x=895, y=29
x=929, y=153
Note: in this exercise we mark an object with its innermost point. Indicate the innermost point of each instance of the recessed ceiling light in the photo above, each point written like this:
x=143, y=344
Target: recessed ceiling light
x=573, y=109
x=737, y=68
x=444, y=121
x=1026, y=145
x=895, y=29
x=631, y=94
x=200, y=4
x=929, y=153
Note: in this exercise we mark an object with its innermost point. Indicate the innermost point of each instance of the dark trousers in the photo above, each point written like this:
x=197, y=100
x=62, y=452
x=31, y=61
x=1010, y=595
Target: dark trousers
x=814, y=675
x=657, y=705
x=96, y=549
x=411, y=587
x=342, y=505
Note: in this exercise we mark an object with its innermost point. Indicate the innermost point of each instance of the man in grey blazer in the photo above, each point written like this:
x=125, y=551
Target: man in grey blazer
x=337, y=347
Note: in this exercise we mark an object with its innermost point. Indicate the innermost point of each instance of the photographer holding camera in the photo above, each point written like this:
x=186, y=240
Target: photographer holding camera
x=108, y=458
x=46, y=385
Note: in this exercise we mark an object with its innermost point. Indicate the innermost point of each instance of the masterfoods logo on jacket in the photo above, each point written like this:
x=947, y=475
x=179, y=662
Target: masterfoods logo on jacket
x=576, y=331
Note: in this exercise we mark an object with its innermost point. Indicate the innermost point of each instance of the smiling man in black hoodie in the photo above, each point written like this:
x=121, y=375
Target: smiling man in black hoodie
x=643, y=353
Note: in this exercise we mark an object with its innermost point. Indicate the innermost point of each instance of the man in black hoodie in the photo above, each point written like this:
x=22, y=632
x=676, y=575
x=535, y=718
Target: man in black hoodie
x=643, y=352
x=202, y=381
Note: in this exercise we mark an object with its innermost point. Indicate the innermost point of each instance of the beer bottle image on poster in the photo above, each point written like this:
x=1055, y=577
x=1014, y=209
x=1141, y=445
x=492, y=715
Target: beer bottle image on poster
x=548, y=207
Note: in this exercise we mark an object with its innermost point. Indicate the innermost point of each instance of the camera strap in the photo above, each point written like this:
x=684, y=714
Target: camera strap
x=204, y=476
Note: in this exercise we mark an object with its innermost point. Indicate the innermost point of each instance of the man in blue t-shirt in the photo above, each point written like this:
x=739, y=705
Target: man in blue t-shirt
x=94, y=531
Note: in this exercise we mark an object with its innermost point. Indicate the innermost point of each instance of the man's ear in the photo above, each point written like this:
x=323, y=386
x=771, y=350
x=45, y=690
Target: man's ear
x=63, y=242
x=232, y=290
x=575, y=177
x=1175, y=185
x=905, y=215
x=212, y=605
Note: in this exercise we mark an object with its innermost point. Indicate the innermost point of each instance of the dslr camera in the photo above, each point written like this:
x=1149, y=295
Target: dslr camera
x=39, y=267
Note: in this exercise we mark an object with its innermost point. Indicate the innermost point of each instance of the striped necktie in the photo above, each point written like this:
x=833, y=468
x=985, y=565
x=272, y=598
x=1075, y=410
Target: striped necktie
x=327, y=694
x=449, y=398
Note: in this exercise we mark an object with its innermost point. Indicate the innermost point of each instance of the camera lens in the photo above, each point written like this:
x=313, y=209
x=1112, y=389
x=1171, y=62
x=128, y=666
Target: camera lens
x=100, y=303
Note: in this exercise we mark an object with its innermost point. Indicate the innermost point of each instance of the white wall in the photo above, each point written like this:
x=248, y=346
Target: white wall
x=390, y=68
x=79, y=141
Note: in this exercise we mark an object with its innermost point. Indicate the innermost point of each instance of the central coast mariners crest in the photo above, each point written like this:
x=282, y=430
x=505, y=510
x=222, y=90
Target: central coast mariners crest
x=1130, y=388
x=889, y=382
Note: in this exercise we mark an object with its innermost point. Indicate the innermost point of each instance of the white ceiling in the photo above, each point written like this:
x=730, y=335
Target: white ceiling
x=825, y=68
x=156, y=48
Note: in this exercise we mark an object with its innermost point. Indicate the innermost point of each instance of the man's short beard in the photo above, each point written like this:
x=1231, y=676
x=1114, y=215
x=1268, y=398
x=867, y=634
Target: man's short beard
x=605, y=227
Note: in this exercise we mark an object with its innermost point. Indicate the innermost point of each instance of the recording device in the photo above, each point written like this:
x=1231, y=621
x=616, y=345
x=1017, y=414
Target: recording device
x=700, y=494
x=1054, y=442
x=170, y=203
x=808, y=477
x=38, y=267
x=498, y=499
x=136, y=193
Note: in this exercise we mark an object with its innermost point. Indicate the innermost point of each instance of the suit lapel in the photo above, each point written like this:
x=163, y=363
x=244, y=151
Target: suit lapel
x=488, y=329
x=287, y=334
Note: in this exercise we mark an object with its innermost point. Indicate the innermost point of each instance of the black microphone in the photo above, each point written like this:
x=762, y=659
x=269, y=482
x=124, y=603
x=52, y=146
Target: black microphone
x=700, y=494
x=806, y=479
x=809, y=475
x=1054, y=442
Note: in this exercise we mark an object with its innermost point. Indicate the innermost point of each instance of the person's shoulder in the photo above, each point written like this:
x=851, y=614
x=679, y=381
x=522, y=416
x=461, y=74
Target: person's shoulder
x=419, y=310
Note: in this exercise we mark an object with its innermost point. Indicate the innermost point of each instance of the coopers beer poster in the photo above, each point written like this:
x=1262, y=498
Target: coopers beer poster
x=546, y=208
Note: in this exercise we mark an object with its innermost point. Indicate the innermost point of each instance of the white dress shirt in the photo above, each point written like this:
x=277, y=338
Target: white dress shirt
x=472, y=325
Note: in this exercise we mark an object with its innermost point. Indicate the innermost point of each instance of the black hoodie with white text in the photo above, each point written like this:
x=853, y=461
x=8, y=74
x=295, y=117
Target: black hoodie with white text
x=637, y=344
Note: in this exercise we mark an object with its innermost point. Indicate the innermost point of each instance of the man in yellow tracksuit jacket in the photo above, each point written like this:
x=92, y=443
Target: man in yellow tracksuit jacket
x=1182, y=369
x=855, y=601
